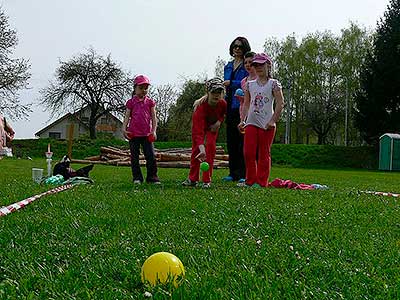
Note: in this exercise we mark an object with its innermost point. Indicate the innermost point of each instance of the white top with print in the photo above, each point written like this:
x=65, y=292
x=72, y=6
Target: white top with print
x=261, y=102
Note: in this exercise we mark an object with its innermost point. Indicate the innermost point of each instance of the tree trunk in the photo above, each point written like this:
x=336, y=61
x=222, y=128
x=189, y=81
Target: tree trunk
x=92, y=129
x=321, y=139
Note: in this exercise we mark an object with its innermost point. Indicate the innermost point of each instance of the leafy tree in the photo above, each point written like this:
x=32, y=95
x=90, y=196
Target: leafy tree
x=378, y=100
x=88, y=80
x=287, y=69
x=354, y=43
x=315, y=74
x=14, y=72
x=273, y=48
x=320, y=57
x=180, y=115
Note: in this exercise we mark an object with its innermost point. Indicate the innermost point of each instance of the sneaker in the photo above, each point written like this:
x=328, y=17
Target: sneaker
x=188, y=182
x=137, y=182
x=243, y=184
x=227, y=178
x=242, y=180
x=154, y=181
x=206, y=185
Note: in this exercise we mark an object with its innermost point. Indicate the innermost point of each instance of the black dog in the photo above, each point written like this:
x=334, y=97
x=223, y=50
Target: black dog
x=64, y=168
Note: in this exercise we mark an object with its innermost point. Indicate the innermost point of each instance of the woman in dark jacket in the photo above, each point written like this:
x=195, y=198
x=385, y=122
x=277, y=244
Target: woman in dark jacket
x=234, y=72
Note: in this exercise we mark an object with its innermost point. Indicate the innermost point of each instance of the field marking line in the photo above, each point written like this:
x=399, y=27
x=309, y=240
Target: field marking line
x=5, y=210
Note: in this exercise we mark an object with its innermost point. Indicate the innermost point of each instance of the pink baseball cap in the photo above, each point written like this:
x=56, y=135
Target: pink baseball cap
x=141, y=79
x=261, y=58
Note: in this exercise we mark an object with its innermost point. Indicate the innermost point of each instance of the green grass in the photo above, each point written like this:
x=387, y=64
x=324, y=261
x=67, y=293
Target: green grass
x=90, y=242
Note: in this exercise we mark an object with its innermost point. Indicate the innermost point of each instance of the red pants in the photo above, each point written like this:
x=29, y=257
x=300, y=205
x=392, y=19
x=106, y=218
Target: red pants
x=257, y=154
x=210, y=144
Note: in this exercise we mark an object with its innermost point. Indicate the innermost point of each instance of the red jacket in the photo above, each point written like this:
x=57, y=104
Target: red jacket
x=204, y=116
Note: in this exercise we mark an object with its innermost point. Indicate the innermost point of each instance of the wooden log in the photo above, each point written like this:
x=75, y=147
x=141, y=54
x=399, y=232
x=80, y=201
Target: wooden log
x=175, y=150
x=115, y=156
x=163, y=164
x=117, y=149
x=219, y=150
x=224, y=157
x=221, y=164
x=173, y=157
x=84, y=161
x=107, y=150
x=173, y=164
x=93, y=158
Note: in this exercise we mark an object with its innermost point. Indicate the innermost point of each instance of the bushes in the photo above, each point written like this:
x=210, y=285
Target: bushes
x=295, y=155
x=324, y=156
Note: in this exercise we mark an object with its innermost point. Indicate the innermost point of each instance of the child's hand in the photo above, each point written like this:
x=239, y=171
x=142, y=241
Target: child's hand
x=241, y=126
x=10, y=136
x=227, y=82
x=214, y=127
x=152, y=137
x=202, y=155
x=271, y=125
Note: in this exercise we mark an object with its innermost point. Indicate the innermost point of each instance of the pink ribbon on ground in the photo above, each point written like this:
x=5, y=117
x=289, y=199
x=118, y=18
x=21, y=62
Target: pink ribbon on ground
x=21, y=204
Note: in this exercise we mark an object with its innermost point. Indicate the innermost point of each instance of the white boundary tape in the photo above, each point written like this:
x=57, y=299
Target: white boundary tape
x=21, y=204
x=381, y=193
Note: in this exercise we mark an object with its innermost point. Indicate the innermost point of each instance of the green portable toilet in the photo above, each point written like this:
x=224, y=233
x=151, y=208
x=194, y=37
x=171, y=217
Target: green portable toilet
x=389, y=152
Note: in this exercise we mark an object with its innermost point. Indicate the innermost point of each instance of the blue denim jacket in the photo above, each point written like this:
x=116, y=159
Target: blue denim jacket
x=241, y=73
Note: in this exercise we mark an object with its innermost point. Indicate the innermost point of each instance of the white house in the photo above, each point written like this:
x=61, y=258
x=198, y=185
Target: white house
x=59, y=128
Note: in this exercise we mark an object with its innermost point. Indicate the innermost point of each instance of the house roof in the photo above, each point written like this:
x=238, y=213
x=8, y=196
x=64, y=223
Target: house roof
x=69, y=115
x=66, y=116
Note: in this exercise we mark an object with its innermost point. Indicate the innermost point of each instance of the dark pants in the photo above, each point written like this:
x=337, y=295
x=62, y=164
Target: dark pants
x=234, y=142
x=148, y=152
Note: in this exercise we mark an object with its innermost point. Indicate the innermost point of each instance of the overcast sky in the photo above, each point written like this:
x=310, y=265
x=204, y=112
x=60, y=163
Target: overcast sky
x=164, y=39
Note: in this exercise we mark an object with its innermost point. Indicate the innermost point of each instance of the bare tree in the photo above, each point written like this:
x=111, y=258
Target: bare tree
x=14, y=73
x=88, y=80
x=219, y=67
x=165, y=96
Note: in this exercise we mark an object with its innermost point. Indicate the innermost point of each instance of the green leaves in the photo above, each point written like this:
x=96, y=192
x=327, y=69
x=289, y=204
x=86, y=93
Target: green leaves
x=378, y=99
x=316, y=72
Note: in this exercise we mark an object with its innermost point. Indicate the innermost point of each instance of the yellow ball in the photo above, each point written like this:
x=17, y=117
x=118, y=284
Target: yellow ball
x=162, y=268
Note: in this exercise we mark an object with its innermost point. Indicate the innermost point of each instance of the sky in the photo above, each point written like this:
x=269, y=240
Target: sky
x=167, y=40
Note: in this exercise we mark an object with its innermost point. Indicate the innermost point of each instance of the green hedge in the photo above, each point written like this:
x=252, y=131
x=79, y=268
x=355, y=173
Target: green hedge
x=301, y=156
x=324, y=156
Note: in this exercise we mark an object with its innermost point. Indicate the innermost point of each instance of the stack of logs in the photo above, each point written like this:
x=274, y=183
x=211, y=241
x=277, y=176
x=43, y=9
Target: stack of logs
x=166, y=158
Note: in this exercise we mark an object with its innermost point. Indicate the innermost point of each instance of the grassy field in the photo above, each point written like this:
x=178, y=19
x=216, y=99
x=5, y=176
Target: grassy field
x=235, y=243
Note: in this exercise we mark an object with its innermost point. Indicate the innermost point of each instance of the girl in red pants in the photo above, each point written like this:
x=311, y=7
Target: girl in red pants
x=209, y=113
x=259, y=121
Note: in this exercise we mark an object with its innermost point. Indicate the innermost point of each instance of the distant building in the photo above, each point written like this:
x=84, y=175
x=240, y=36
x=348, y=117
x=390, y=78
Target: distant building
x=59, y=128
